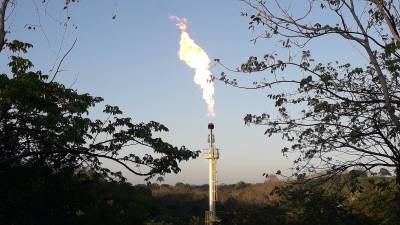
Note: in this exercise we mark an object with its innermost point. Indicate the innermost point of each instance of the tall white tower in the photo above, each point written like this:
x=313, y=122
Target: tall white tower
x=212, y=155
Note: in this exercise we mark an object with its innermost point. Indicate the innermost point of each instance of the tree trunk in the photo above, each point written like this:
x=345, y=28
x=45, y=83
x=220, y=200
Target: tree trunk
x=388, y=19
x=397, y=174
x=3, y=9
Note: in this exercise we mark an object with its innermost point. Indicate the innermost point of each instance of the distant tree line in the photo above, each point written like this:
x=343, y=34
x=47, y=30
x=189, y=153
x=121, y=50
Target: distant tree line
x=346, y=199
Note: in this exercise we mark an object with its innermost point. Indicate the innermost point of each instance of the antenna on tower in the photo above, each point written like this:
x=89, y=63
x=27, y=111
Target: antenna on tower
x=212, y=155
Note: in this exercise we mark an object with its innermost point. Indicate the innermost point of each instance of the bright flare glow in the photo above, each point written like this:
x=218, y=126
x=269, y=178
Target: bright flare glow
x=195, y=57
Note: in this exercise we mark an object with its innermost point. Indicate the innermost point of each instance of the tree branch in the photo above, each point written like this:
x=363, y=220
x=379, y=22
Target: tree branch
x=73, y=152
x=62, y=60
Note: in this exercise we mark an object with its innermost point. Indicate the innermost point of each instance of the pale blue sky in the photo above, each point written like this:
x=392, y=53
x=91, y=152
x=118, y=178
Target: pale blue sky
x=132, y=62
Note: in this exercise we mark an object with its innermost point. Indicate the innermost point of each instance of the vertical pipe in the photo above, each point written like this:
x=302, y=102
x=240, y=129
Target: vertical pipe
x=212, y=173
x=211, y=185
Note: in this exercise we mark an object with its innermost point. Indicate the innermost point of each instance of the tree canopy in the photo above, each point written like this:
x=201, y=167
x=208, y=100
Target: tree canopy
x=335, y=116
x=52, y=149
x=44, y=122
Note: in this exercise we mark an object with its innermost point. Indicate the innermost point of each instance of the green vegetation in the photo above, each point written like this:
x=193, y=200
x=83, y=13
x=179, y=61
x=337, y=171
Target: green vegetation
x=39, y=195
x=51, y=149
x=343, y=200
x=44, y=123
x=326, y=107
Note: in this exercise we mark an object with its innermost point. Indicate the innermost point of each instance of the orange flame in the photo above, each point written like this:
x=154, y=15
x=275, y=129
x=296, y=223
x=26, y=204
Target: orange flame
x=196, y=58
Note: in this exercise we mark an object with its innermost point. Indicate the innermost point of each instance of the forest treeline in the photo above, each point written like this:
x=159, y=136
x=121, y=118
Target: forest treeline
x=44, y=196
x=352, y=198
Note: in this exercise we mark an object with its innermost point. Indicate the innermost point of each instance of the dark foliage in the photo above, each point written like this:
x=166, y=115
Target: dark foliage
x=325, y=109
x=37, y=195
x=344, y=200
x=43, y=122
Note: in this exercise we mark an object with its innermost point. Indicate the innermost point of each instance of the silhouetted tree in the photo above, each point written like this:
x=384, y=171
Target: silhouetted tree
x=43, y=122
x=52, y=150
x=325, y=109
